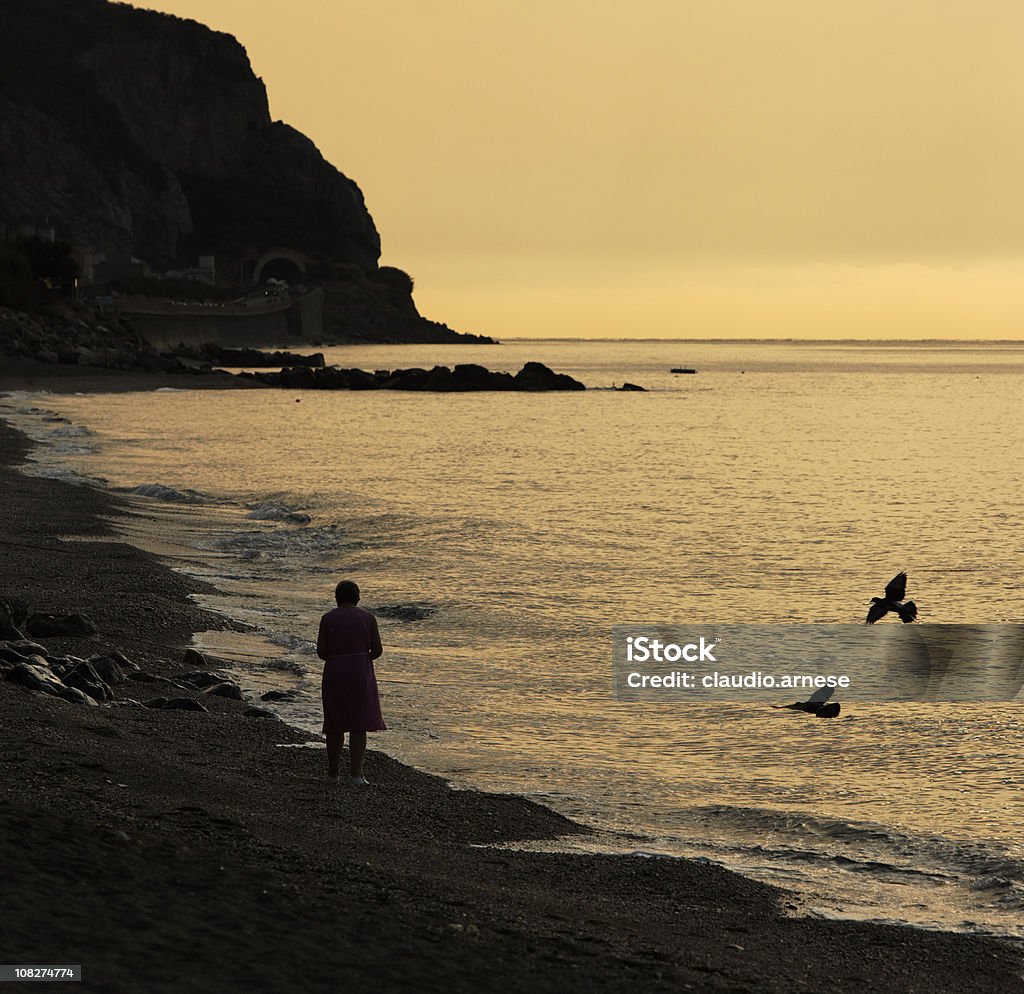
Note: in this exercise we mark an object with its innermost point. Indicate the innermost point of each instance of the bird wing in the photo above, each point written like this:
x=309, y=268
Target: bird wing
x=821, y=695
x=907, y=612
x=896, y=588
x=875, y=612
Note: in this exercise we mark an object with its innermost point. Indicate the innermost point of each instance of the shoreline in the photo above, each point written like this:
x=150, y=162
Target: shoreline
x=172, y=850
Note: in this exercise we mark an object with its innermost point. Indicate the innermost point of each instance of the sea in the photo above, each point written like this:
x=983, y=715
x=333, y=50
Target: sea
x=500, y=536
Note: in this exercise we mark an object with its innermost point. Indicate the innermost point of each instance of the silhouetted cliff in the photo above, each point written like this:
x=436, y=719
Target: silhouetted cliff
x=135, y=131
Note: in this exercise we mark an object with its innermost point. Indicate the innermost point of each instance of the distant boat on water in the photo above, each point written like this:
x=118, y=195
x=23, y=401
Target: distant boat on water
x=682, y=369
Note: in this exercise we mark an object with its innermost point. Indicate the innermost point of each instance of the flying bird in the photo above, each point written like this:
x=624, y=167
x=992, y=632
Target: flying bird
x=895, y=591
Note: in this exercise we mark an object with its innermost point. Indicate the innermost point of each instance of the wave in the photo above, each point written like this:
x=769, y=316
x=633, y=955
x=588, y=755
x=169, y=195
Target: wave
x=279, y=512
x=68, y=430
x=869, y=847
x=157, y=491
x=286, y=542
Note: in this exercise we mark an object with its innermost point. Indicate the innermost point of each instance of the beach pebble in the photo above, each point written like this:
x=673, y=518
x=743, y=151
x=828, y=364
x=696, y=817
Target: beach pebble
x=68, y=625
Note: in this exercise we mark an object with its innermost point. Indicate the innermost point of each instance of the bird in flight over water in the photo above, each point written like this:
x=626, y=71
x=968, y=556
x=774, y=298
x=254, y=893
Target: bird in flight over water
x=895, y=591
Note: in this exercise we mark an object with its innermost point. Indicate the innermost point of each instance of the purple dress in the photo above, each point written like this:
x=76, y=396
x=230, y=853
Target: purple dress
x=347, y=637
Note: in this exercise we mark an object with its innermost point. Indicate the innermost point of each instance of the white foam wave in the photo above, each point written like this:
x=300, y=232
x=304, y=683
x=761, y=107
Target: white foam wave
x=69, y=430
x=278, y=512
x=157, y=491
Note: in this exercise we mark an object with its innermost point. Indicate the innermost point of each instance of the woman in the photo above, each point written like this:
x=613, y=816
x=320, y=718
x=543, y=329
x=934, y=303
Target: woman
x=348, y=643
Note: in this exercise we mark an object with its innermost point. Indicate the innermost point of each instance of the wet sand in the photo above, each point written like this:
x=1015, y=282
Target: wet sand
x=183, y=851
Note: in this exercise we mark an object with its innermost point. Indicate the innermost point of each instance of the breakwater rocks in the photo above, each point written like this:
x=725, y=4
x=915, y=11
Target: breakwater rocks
x=257, y=359
x=463, y=378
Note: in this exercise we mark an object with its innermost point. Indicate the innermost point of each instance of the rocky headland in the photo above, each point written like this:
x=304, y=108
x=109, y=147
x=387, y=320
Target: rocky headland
x=140, y=137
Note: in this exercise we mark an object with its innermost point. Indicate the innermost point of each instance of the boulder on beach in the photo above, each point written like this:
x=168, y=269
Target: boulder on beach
x=278, y=695
x=67, y=626
x=13, y=612
x=254, y=712
x=226, y=689
x=175, y=704
x=85, y=678
x=193, y=658
x=76, y=696
x=201, y=679
x=36, y=676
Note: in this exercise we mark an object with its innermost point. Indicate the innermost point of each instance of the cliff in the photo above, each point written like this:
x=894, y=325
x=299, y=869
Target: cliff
x=132, y=131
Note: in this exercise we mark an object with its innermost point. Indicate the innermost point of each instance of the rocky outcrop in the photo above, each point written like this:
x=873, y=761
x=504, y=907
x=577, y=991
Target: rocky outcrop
x=256, y=359
x=147, y=133
x=463, y=378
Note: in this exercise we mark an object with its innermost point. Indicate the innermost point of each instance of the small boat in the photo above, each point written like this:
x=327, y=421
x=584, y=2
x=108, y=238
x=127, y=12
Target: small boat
x=681, y=369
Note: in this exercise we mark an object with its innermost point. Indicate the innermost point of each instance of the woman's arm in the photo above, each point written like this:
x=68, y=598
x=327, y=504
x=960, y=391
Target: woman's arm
x=376, y=649
x=321, y=640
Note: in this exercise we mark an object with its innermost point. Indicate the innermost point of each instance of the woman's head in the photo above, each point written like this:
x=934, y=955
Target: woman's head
x=346, y=592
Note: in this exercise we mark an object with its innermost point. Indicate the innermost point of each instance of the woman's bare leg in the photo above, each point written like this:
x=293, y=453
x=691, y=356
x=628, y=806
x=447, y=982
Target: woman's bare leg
x=335, y=740
x=357, y=749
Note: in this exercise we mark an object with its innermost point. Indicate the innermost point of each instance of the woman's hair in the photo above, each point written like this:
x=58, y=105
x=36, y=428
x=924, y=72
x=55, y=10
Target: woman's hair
x=346, y=592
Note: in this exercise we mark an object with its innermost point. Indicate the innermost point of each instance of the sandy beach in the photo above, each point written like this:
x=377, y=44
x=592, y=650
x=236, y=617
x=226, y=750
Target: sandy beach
x=193, y=851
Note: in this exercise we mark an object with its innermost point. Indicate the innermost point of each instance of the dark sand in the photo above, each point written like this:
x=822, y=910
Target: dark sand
x=178, y=851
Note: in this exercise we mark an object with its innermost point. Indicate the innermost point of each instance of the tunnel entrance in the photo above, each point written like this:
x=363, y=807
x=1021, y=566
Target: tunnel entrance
x=278, y=267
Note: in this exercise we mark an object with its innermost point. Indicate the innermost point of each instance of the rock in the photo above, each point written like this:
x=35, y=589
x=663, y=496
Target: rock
x=127, y=666
x=254, y=712
x=25, y=647
x=68, y=626
x=9, y=655
x=86, y=679
x=201, y=679
x=76, y=696
x=193, y=658
x=108, y=669
x=36, y=677
x=257, y=359
x=226, y=689
x=404, y=612
x=175, y=704
x=47, y=355
x=13, y=612
x=632, y=386
x=141, y=677
x=537, y=376
x=278, y=695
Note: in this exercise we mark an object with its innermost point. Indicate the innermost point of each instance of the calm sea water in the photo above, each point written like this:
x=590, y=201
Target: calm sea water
x=785, y=482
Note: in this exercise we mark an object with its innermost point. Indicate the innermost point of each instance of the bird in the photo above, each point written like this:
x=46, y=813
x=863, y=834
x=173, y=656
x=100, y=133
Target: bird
x=815, y=704
x=895, y=591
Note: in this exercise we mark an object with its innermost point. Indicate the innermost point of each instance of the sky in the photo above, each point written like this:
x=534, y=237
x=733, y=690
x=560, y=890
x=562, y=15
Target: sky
x=671, y=168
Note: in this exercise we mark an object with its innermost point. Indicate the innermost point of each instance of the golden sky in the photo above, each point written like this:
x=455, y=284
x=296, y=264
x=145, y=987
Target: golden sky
x=671, y=168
